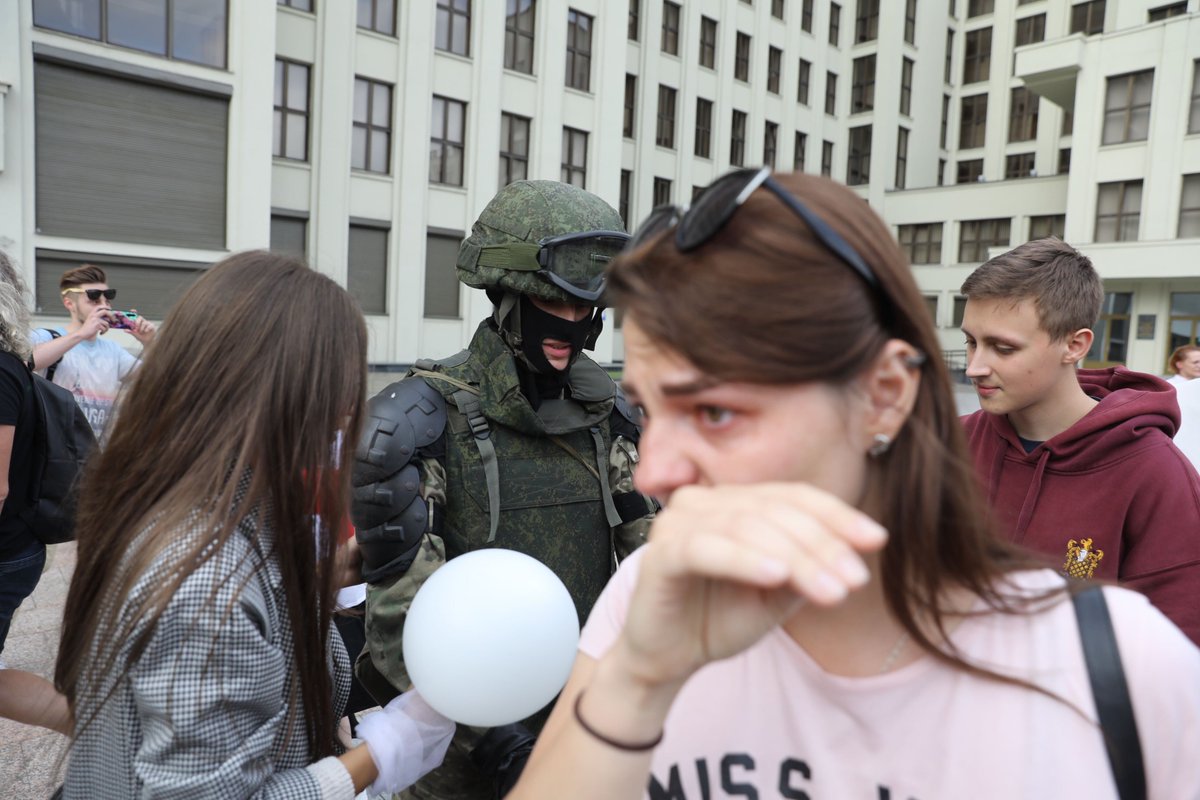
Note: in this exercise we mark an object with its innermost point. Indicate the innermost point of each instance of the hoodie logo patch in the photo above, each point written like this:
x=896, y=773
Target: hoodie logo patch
x=1082, y=560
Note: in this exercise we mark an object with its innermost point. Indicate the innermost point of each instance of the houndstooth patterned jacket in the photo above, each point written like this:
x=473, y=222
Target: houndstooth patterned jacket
x=203, y=713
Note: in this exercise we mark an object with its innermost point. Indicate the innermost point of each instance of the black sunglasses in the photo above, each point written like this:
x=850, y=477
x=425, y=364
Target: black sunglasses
x=715, y=206
x=94, y=294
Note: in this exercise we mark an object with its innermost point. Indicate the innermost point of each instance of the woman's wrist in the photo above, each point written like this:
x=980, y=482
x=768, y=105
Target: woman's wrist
x=622, y=704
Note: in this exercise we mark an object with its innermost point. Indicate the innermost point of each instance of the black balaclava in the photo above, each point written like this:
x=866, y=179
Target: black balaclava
x=543, y=381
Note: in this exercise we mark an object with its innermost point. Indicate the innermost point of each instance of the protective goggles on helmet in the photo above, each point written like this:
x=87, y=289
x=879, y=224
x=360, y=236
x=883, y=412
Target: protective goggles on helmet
x=574, y=262
x=717, y=204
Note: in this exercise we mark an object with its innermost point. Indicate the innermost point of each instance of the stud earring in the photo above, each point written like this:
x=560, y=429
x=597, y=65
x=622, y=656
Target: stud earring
x=879, y=445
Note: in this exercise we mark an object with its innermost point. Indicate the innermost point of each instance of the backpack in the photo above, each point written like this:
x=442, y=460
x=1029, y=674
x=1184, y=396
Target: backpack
x=62, y=441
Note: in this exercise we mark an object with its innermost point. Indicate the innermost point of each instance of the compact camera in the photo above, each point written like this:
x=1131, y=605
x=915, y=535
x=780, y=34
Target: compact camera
x=125, y=320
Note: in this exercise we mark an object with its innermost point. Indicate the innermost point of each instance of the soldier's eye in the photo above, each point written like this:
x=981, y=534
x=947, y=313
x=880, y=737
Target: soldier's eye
x=714, y=415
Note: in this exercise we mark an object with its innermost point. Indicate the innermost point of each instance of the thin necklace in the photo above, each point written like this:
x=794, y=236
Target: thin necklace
x=896, y=650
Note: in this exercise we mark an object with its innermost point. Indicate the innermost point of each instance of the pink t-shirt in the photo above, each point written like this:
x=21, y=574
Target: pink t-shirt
x=770, y=722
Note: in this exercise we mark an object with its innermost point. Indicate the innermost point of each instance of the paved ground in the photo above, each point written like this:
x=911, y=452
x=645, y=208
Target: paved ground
x=29, y=757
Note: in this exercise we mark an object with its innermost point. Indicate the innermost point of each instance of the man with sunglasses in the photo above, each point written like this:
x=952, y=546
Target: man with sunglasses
x=75, y=357
x=520, y=441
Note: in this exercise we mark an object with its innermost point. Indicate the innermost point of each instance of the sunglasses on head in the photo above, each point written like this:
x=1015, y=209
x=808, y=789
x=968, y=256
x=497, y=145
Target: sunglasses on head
x=715, y=206
x=94, y=294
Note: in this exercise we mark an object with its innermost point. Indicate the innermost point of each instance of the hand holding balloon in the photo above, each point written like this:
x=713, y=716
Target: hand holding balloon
x=491, y=637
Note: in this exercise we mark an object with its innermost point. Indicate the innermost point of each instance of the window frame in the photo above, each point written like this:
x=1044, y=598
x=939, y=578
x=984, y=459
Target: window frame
x=509, y=156
x=370, y=127
x=664, y=132
x=450, y=10
x=579, y=49
x=571, y=137
x=286, y=111
x=447, y=144
x=513, y=35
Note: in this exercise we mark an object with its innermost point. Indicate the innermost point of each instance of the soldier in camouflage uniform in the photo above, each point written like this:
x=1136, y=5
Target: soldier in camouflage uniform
x=520, y=441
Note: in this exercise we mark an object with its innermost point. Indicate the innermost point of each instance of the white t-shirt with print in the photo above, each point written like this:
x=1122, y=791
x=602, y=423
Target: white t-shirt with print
x=93, y=371
x=771, y=723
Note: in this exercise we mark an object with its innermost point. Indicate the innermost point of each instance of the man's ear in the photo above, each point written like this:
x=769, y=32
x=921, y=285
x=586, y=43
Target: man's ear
x=68, y=303
x=891, y=385
x=1077, y=345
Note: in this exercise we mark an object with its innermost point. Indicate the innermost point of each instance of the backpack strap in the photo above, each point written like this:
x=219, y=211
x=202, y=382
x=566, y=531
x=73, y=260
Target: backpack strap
x=1111, y=692
x=50, y=369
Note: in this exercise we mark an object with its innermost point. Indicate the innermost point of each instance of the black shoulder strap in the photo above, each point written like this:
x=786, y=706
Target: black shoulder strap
x=1111, y=692
x=50, y=369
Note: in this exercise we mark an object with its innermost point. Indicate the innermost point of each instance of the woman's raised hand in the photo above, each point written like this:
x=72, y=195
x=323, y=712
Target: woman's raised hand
x=725, y=564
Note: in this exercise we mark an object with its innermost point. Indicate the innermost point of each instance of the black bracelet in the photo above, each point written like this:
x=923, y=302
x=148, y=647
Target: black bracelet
x=624, y=746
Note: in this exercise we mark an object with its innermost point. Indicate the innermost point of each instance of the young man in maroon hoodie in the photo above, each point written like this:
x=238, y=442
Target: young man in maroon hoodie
x=1077, y=463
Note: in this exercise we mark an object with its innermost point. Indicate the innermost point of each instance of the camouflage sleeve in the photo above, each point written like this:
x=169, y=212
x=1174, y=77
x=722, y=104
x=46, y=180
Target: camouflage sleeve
x=382, y=672
x=622, y=460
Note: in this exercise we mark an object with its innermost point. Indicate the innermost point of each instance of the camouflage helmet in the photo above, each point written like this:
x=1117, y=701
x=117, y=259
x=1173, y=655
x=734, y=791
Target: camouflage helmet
x=543, y=238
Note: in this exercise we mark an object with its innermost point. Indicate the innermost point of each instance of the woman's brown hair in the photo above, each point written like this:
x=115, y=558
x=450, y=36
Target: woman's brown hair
x=764, y=301
x=233, y=414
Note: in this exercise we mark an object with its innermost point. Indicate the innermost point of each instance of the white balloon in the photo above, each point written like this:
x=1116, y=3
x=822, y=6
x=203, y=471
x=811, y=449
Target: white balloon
x=490, y=637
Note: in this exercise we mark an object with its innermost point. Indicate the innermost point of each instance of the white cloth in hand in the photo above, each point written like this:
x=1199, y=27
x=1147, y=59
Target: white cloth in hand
x=407, y=739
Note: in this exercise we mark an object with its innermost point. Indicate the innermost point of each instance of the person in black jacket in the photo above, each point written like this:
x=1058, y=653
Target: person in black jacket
x=22, y=556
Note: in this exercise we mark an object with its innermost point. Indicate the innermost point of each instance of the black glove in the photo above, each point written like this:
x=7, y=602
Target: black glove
x=501, y=753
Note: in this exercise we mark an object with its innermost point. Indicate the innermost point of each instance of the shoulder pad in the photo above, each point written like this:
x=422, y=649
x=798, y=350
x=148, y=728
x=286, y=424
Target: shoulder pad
x=624, y=420
x=456, y=360
x=405, y=416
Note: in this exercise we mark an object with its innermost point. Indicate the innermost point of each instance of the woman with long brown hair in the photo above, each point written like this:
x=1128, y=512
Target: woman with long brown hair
x=822, y=610
x=196, y=652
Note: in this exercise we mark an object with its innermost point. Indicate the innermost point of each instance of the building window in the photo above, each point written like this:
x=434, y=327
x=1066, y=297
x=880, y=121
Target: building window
x=806, y=16
x=741, y=58
x=1068, y=123
x=92, y=134
x=441, y=284
x=579, y=50
x=777, y=9
x=1018, y=165
x=972, y=123
x=453, y=31
x=371, y=136
x=901, y=157
x=514, y=148
x=921, y=243
x=1194, y=112
x=291, y=110
x=906, y=79
x=665, y=132
x=1185, y=314
x=866, y=21
x=289, y=233
x=978, y=235
x=446, y=141
x=941, y=172
x=378, y=16
x=1166, y=12
x=1111, y=345
x=1022, y=115
x=708, y=42
x=1031, y=30
x=737, y=140
x=830, y=93
x=1088, y=18
x=1118, y=211
x=1189, y=208
x=774, y=68
x=827, y=159
x=770, y=143
x=945, y=119
x=670, y=28
x=518, y=35
x=635, y=8
x=959, y=311
x=630, y=105
x=806, y=76
x=1064, y=161
x=662, y=192
x=949, y=55
x=1127, y=107
x=366, y=266
x=1047, y=225
x=299, y=5
x=835, y=23
x=910, y=21
x=574, y=157
x=977, y=56
x=862, y=84
x=798, y=150
x=931, y=305
x=623, y=198
x=858, y=158
x=969, y=171
x=704, y=109
x=183, y=30
x=977, y=8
